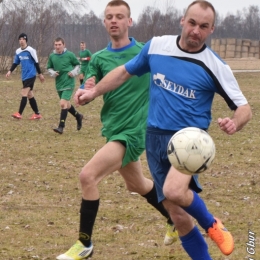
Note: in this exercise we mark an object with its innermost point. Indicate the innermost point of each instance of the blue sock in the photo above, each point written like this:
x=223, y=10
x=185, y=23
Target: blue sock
x=195, y=245
x=198, y=210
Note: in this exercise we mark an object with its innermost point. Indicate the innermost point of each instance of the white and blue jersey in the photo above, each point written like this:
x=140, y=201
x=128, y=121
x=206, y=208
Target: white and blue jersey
x=28, y=59
x=183, y=84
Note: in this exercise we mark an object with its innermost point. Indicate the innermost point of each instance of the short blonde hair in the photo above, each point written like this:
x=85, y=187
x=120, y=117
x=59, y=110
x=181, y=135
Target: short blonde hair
x=118, y=3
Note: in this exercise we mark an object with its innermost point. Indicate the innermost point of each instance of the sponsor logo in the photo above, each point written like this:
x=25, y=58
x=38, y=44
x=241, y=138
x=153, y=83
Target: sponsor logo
x=160, y=81
x=23, y=57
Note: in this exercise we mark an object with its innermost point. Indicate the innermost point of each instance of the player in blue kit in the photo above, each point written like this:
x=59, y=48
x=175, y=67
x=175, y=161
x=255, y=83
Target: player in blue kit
x=27, y=57
x=181, y=95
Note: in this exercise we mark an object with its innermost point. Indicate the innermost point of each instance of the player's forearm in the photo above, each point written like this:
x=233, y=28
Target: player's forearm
x=241, y=116
x=14, y=65
x=112, y=80
x=37, y=66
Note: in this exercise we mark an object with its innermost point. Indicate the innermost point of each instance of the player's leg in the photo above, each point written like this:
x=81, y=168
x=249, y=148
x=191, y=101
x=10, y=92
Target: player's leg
x=192, y=240
x=176, y=189
x=32, y=101
x=24, y=92
x=159, y=165
x=107, y=160
x=63, y=113
x=76, y=114
x=137, y=182
x=81, y=78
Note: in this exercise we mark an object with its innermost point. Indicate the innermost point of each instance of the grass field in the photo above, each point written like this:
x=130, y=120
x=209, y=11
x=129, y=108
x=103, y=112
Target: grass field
x=40, y=193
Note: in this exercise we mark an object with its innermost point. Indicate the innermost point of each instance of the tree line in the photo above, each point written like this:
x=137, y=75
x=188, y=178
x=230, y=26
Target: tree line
x=44, y=20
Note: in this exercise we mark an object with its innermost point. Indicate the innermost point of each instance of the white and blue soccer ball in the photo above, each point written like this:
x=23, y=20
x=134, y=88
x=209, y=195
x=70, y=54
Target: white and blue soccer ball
x=191, y=150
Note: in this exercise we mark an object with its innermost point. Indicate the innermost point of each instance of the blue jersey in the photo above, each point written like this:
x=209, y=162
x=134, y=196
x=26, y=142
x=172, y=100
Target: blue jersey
x=183, y=84
x=27, y=58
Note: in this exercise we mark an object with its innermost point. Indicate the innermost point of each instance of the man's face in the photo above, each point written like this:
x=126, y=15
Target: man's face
x=82, y=46
x=59, y=47
x=22, y=42
x=197, y=25
x=117, y=21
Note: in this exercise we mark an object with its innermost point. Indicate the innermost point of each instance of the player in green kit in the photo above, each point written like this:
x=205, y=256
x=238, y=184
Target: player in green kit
x=84, y=57
x=123, y=117
x=63, y=65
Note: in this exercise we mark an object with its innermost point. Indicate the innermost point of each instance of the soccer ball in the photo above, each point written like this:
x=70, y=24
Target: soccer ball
x=191, y=150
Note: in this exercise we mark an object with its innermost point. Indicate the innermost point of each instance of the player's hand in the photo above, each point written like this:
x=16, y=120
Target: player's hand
x=227, y=125
x=83, y=96
x=90, y=83
x=41, y=77
x=8, y=74
x=70, y=74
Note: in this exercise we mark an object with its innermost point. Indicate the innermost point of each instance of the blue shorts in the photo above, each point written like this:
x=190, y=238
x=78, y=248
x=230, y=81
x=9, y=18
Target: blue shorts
x=157, y=158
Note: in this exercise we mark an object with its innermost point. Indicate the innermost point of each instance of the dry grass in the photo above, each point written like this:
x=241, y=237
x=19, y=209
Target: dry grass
x=40, y=193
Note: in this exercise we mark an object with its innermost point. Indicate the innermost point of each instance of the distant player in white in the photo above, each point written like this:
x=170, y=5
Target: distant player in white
x=27, y=57
x=185, y=75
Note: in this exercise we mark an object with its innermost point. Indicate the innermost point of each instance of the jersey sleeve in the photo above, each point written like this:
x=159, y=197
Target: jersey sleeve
x=139, y=65
x=49, y=63
x=16, y=59
x=89, y=54
x=33, y=54
x=74, y=59
x=93, y=70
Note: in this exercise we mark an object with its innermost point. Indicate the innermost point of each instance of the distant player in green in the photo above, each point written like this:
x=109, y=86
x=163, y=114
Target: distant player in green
x=84, y=57
x=63, y=65
x=123, y=117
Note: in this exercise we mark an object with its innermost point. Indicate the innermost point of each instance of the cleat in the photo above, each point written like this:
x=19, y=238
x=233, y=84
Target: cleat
x=58, y=130
x=77, y=252
x=17, y=115
x=79, y=121
x=36, y=116
x=222, y=237
x=171, y=235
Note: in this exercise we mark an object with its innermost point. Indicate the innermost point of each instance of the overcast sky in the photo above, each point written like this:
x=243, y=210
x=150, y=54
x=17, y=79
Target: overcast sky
x=137, y=6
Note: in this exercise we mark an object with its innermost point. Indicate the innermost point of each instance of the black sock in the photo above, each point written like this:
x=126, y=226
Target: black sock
x=73, y=111
x=33, y=105
x=22, y=105
x=63, y=116
x=152, y=199
x=81, y=81
x=88, y=213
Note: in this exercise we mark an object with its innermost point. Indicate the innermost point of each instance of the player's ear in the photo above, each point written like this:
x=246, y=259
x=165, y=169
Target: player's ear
x=212, y=29
x=130, y=22
x=182, y=21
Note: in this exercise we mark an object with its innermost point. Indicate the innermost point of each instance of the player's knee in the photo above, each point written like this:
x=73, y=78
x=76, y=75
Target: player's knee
x=174, y=195
x=86, y=178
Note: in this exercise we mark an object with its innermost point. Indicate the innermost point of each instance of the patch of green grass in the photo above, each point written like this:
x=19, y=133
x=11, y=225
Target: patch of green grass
x=40, y=193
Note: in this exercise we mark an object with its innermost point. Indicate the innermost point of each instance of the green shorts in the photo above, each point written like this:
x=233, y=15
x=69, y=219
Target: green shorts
x=83, y=69
x=135, y=146
x=65, y=94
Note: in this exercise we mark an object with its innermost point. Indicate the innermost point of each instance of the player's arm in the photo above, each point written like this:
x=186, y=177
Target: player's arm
x=111, y=81
x=14, y=65
x=239, y=119
x=88, y=57
x=76, y=64
x=37, y=66
x=75, y=71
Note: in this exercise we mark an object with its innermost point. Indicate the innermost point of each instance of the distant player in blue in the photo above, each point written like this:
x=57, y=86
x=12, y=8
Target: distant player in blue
x=27, y=57
x=181, y=95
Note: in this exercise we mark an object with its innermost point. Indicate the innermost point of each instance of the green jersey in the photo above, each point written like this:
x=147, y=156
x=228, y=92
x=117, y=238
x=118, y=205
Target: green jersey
x=63, y=64
x=124, y=112
x=84, y=63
